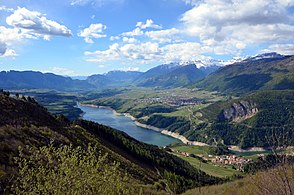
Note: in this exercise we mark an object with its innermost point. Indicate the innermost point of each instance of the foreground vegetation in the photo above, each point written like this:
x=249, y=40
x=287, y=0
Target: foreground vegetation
x=68, y=170
x=279, y=180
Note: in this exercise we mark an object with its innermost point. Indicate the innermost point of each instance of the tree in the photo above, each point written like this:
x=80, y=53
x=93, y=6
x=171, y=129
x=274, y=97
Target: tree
x=7, y=93
x=68, y=170
x=24, y=98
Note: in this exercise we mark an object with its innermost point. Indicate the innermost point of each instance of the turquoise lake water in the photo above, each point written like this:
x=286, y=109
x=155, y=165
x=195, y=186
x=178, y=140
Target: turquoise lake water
x=107, y=117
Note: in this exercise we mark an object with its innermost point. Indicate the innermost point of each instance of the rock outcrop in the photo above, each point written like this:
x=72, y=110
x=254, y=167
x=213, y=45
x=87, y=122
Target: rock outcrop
x=239, y=111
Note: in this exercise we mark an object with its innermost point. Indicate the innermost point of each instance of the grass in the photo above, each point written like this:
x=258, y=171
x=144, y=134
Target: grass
x=271, y=181
x=209, y=168
x=255, y=154
x=206, y=167
x=198, y=150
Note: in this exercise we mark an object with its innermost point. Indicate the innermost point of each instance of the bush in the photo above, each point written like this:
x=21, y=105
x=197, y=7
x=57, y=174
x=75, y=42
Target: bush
x=67, y=170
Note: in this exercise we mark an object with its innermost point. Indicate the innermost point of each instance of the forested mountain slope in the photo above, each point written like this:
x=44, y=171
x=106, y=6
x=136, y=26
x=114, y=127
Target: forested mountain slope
x=26, y=123
x=275, y=73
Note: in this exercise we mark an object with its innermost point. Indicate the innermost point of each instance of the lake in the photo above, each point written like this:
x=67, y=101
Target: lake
x=107, y=117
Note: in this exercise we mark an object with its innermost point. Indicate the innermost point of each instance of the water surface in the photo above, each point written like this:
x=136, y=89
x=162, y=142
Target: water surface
x=107, y=117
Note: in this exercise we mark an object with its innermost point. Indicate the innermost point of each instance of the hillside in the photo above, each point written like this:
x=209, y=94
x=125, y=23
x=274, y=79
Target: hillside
x=273, y=181
x=173, y=75
x=27, y=123
x=113, y=79
x=262, y=119
x=258, y=73
x=37, y=80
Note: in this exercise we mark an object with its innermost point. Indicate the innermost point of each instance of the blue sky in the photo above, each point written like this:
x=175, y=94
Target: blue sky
x=84, y=37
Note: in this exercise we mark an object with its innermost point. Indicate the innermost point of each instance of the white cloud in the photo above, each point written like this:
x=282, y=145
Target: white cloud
x=4, y=8
x=10, y=37
x=221, y=27
x=286, y=2
x=136, y=32
x=9, y=53
x=162, y=36
x=148, y=24
x=93, y=31
x=113, y=38
x=129, y=40
x=148, y=52
x=192, y=2
x=143, y=52
x=284, y=49
x=27, y=24
x=112, y=53
x=242, y=22
x=3, y=48
x=36, y=23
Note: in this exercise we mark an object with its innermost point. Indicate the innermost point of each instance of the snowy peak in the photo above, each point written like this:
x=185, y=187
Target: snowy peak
x=272, y=55
x=203, y=63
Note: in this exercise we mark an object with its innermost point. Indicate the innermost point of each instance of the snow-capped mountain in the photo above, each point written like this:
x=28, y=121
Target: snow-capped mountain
x=272, y=55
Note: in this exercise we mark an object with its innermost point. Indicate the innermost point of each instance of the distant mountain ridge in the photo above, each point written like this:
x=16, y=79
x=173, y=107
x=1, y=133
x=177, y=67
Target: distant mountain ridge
x=113, y=79
x=262, y=72
x=37, y=80
x=174, y=75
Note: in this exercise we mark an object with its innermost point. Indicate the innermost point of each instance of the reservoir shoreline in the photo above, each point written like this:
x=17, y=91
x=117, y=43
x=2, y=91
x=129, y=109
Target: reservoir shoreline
x=162, y=131
x=170, y=133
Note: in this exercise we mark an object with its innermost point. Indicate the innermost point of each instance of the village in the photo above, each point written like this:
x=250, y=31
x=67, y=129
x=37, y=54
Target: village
x=221, y=160
x=172, y=101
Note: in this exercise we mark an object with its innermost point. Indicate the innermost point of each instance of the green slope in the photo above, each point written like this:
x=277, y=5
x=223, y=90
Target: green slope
x=244, y=77
x=27, y=123
x=273, y=124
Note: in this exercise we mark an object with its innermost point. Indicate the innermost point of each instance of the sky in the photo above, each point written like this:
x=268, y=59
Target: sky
x=85, y=37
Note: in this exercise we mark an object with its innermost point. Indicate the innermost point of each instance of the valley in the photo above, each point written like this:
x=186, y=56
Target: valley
x=153, y=97
x=173, y=132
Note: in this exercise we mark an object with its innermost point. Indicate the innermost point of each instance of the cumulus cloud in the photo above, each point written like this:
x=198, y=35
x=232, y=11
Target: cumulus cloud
x=136, y=32
x=148, y=24
x=129, y=40
x=10, y=37
x=2, y=48
x=113, y=38
x=284, y=49
x=191, y=2
x=143, y=52
x=26, y=24
x=167, y=35
x=5, y=52
x=93, y=31
x=148, y=52
x=36, y=23
x=243, y=22
x=4, y=8
x=220, y=27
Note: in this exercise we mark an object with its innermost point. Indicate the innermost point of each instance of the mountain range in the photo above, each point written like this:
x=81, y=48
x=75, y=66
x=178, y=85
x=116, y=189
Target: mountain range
x=260, y=72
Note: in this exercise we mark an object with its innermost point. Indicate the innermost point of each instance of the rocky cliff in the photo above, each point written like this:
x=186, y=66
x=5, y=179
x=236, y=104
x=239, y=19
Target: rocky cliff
x=238, y=111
